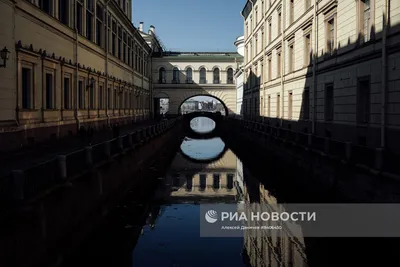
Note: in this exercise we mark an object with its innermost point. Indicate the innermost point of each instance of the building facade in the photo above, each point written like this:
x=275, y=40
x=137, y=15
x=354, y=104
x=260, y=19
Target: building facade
x=71, y=63
x=239, y=43
x=179, y=76
x=331, y=68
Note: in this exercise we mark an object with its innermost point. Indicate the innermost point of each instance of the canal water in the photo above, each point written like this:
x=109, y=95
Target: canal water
x=161, y=228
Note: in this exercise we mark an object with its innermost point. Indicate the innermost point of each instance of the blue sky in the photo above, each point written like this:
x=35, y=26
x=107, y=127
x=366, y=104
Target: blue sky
x=192, y=25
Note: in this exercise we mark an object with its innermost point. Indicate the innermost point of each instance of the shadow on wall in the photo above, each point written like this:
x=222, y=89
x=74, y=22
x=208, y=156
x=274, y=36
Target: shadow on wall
x=168, y=77
x=348, y=96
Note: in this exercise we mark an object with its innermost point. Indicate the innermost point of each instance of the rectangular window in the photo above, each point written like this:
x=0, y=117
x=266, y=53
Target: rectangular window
x=109, y=103
x=262, y=106
x=67, y=93
x=216, y=181
x=330, y=43
x=365, y=20
x=307, y=49
x=120, y=42
x=91, y=98
x=278, y=105
x=63, y=11
x=262, y=40
x=329, y=102
x=26, y=82
x=81, y=95
x=278, y=64
x=269, y=69
x=306, y=104
x=203, y=182
x=79, y=17
x=269, y=106
x=129, y=55
x=115, y=99
x=229, y=180
x=124, y=39
x=49, y=91
x=256, y=46
x=101, y=97
x=269, y=30
x=46, y=6
x=89, y=25
x=99, y=26
x=290, y=105
x=279, y=23
x=291, y=11
x=291, y=58
x=130, y=100
x=363, y=100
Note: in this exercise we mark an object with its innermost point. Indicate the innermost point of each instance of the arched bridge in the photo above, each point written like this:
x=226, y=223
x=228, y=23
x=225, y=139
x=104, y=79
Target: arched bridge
x=215, y=116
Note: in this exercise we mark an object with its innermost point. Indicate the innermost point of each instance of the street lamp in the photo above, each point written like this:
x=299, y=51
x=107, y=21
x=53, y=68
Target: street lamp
x=91, y=84
x=4, y=54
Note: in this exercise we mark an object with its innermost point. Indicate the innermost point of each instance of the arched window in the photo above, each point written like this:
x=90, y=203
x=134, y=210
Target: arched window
x=216, y=75
x=175, y=75
x=161, y=75
x=189, y=75
x=230, y=76
x=203, y=77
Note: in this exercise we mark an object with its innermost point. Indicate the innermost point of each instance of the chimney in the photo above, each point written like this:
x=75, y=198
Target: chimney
x=152, y=30
x=141, y=26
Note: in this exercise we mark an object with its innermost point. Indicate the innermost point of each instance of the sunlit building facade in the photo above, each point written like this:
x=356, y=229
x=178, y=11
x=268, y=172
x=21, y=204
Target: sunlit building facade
x=71, y=63
x=329, y=68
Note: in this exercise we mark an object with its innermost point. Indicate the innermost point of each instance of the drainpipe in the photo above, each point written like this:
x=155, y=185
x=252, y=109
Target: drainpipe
x=384, y=73
x=283, y=11
x=76, y=69
x=314, y=68
x=107, y=44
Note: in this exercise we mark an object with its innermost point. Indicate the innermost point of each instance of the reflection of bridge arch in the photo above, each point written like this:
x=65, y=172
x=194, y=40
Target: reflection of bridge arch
x=218, y=157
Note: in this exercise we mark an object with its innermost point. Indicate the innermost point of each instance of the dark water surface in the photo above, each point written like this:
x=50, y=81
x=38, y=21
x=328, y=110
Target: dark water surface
x=161, y=227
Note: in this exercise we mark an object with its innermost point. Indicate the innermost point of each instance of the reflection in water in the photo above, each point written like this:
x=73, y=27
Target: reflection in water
x=202, y=149
x=202, y=125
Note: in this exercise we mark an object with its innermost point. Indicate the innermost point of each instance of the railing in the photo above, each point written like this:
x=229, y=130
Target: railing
x=374, y=159
x=25, y=184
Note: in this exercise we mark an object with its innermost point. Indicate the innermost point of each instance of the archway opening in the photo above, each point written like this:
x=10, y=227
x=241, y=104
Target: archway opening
x=202, y=125
x=199, y=151
x=161, y=105
x=201, y=103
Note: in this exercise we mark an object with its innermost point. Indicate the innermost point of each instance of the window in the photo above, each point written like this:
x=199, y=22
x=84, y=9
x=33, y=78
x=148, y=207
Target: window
x=251, y=49
x=81, y=95
x=175, y=75
x=229, y=182
x=291, y=11
x=329, y=102
x=290, y=105
x=63, y=11
x=269, y=68
x=269, y=106
x=109, y=103
x=89, y=19
x=262, y=106
x=67, y=93
x=124, y=41
x=203, y=182
x=114, y=38
x=262, y=9
x=79, y=17
x=230, y=76
x=256, y=15
x=189, y=182
x=91, y=97
x=161, y=75
x=363, y=100
x=216, y=76
x=189, y=75
x=203, y=78
x=49, y=91
x=262, y=39
x=129, y=55
x=365, y=20
x=331, y=32
x=278, y=105
x=307, y=4
x=278, y=64
x=115, y=97
x=130, y=100
x=46, y=6
x=306, y=104
x=279, y=22
x=26, y=82
x=216, y=181
x=307, y=49
x=120, y=42
x=101, y=97
x=99, y=26
x=269, y=30
x=291, y=57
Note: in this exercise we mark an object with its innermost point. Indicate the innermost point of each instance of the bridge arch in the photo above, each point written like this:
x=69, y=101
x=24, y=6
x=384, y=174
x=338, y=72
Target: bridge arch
x=186, y=97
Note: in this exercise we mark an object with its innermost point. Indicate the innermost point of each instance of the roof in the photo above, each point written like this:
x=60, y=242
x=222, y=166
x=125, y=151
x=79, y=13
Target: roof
x=203, y=56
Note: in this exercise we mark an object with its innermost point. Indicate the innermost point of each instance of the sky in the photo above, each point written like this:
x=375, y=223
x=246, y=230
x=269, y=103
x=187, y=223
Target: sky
x=192, y=25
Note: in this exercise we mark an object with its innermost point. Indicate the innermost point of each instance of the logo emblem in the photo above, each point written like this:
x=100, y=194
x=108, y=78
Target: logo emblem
x=211, y=216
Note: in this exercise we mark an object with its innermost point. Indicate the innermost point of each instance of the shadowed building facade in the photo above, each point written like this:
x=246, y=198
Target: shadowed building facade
x=182, y=75
x=329, y=68
x=71, y=63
